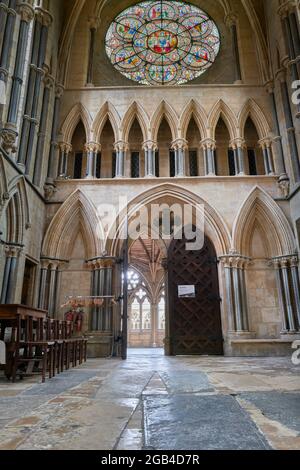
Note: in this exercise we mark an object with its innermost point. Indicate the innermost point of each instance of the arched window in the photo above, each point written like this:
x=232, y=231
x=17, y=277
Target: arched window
x=140, y=311
x=162, y=313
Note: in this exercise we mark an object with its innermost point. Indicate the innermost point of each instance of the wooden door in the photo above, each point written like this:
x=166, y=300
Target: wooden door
x=195, y=323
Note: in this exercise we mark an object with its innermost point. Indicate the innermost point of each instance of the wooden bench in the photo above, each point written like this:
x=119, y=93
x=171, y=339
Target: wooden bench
x=38, y=344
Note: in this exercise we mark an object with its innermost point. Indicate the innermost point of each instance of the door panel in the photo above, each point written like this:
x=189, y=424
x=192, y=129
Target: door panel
x=195, y=323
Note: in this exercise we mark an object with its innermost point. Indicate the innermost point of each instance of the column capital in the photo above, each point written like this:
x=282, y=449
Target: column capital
x=59, y=90
x=94, y=22
x=12, y=251
x=286, y=8
x=65, y=147
x=238, y=143
x=235, y=260
x=150, y=145
x=45, y=263
x=54, y=265
x=179, y=144
x=231, y=19
x=269, y=86
x=92, y=147
x=26, y=12
x=266, y=142
x=208, y=144
x=43, y=16
x=121, y=146
x=9, y=137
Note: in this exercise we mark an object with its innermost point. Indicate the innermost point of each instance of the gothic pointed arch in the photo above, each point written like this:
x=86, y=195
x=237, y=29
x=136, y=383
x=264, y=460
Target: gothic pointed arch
x=78, y=113
x=106, y=112
x=77, y=214
x=17, y=211
x=195, y=110
x=3, y=184
x=221, y=109
x=260, y=210
x=252, y=109
x=164, y=110
x=135, y=111
x=215, y=226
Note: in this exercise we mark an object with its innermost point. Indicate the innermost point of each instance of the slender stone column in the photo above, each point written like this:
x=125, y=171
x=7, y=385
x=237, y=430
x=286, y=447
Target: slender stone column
x=92, y=149
x=231, y=21
x=280, y=288
x=290, y=126
x=94, y=24
x=10, y=274
x=65, y=150
x=234, y=266
x=179, y=146
x=52, y=173
x=287, y=294
x=27, y=14
x=43, y=283
x=229, y=293
x=150, y=148
x=291, y=33
x=49, y=84
x=108, y=276
x=7, y=25
x=168, y=339
x=35, y=86
x=296, y=287
x=52, y=289
x=265, y=145
x=239, y=147
x=209, y=147
x=120, y=147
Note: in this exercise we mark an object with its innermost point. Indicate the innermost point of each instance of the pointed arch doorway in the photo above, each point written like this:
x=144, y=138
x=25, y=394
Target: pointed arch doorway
x=194, y=321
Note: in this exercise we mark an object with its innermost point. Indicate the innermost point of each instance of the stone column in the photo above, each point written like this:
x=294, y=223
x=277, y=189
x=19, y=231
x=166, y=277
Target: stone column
x=93, y=24
x=27, y=14
x=287, y=294
x=291, y=33
x=280, y=167
x=65, y=150
x=150, y=148
x=35, y=87
x=168, y=339
x=265, y=145
x=231, y=21
x=209, y=147
x=120, y=147
x=10, y=274
x=108, y=277
x=290, y=126
x=52, y=173
x=229, y=293
x=239, y=147
x=52, y=289
x=7, y=25
x=280, y=289
x=180, y=146
x=92, y=149
x=296, y=287
x=48, y=86
x=236, y=293
x=43, y=283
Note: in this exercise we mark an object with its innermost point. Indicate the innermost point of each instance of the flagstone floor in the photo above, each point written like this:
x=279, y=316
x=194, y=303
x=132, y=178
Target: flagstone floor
x=156, y=402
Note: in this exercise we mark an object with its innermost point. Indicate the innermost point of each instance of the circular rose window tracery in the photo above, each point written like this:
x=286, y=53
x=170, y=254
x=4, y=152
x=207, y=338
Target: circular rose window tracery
x=162, y=43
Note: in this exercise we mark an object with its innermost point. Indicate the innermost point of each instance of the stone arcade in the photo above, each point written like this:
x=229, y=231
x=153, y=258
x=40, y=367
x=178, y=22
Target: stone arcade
x=192, y=119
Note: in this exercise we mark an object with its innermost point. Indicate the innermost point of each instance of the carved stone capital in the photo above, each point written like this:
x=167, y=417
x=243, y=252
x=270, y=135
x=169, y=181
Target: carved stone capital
x=180, y=144
x=9, y=137
x=286, y=8
x=92, y=147
x=238, y=143
x=49, y=191
x=231, y=19
x=121, y=146
x=65, y=147
x=208, y=144
x=150, y=145
x=12, y=251
x=26, y=12
x=43, y=16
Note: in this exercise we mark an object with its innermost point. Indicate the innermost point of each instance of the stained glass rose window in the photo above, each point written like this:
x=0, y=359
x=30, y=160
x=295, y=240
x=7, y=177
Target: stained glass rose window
x=162, y=42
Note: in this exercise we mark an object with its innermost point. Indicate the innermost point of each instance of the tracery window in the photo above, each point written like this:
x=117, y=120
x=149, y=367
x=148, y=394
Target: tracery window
x=140, y=312
x=162, y=42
